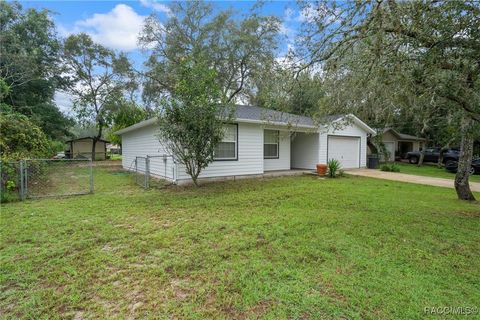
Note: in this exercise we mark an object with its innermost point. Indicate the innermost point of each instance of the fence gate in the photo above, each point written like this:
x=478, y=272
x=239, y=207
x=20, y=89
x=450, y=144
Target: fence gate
x=142, y=171
x=38, y=178
x=51, y=177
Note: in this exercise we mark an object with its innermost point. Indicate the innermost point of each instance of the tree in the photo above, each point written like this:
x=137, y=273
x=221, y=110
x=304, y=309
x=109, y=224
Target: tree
x=20, y=138
x=191, y=121
x=127, y=114
x=418, y=57
x=238, y=49
x=97, y=78
x=278, y=89
x=29, y=66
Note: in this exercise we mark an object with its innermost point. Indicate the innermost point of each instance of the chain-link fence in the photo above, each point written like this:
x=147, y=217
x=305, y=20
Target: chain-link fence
x=154, y=171
x=11, y=184
x=37, y=178
x=141, y=171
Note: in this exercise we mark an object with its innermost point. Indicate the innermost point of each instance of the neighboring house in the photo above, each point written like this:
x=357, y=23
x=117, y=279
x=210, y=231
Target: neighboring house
x=82, y=148
x=398, y=144
x=259, y=140
x=113, y=148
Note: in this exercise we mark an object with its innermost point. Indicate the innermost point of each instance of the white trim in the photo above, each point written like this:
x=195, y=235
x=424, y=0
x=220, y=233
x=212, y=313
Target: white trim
x=136, y=126
x=277, y=144
x=359, y=122
x=235, y=141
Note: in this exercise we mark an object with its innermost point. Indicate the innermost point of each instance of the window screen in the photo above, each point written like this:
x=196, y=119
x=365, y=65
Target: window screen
x=270, y=144
x=227, y=149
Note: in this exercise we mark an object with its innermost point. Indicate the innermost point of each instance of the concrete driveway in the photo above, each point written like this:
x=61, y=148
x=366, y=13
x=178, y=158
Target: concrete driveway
x=396, y=176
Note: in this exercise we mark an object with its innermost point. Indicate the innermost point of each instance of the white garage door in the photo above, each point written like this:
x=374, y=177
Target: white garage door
x=344, y=149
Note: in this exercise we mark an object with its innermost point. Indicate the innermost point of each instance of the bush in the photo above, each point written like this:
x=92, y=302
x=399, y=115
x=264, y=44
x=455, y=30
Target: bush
x=334, y=167
x=10, y=178
x=57, y=146
x=390, y=167
x=20, y=138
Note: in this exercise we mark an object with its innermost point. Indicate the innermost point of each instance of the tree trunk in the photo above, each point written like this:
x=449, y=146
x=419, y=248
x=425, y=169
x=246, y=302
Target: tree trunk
x=94, y=144
x=442, y=153
x=372, y=146
x=462, y=185
x=420, y=161
x=192, y=171
x=195, y=182
x=96, y=138
x=440, y=158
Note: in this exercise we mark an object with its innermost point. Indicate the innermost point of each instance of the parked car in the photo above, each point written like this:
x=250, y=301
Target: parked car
x=432, y=155
x=59, y=155
x=452, y=166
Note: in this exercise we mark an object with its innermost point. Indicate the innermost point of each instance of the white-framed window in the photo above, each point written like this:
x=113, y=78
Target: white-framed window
x=227, y=149
x=270, y=144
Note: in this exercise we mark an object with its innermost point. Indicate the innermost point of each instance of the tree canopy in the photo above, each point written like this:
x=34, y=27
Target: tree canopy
x=191, y=121
x=20, y=138
x=29, y=66
x=126, y=114
x=98, y=79
x=238, y=49
x=386, y=58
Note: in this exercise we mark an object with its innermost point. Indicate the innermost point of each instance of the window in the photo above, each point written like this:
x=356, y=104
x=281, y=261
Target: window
x=227, y=149
x=270, y=144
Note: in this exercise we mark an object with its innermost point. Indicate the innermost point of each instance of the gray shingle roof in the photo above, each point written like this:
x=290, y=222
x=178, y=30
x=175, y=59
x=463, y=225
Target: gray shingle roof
x=268, y=115
x=252, y=113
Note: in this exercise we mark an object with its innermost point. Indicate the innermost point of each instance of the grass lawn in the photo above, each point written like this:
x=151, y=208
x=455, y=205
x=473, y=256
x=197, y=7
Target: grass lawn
x=116, y=157
x=430, y=170
x=293, y=247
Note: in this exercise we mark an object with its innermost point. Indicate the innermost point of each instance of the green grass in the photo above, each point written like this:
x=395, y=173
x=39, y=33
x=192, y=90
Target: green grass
x=115, y=157
x=430, y=170
x=293, y=247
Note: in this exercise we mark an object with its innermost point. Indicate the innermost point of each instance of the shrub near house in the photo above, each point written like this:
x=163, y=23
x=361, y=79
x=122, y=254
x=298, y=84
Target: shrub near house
x=19, y=139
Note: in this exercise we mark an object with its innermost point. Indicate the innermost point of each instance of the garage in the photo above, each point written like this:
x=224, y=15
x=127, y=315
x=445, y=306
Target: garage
x=345, y=149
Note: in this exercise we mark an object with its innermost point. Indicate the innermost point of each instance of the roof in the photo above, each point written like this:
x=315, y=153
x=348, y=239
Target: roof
x=253, y=114
x=244, y=112
x=403, y=136
x=136, y=126
x=85, y=138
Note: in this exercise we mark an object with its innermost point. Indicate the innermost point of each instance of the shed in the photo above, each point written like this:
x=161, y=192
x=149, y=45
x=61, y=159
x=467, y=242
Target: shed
x=82, y=148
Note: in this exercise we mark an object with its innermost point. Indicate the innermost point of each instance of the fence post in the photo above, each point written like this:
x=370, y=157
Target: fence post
x=22, y=181
x=91, y=176
x=25, y=177
x=147, y=172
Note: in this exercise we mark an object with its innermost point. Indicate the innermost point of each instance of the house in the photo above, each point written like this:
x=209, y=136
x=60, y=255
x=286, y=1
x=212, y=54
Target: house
x=82, y=148
x=258, y=141
x=398, y=144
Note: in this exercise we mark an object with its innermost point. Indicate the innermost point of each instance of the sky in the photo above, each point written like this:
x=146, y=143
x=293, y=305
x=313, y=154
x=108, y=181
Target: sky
x=116, y=24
